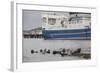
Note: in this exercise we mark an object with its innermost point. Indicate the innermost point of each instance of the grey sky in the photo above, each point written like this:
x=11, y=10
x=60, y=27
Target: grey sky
x=31, y=19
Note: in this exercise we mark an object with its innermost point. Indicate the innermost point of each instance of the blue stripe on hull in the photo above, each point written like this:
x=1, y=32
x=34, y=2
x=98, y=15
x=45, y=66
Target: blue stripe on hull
x=67, y=31
x=67, y=34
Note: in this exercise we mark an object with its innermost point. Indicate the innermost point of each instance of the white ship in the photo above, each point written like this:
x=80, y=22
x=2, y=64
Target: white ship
x=70, y=25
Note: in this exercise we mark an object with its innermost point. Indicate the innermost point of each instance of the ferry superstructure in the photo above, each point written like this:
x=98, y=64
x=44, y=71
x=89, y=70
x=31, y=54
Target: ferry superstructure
x=70, y=25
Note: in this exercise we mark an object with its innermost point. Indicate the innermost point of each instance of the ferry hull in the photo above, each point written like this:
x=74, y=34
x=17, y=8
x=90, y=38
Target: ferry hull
x=71, y=34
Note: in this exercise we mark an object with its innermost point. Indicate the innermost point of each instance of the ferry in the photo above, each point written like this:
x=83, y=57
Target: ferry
x=63, y=26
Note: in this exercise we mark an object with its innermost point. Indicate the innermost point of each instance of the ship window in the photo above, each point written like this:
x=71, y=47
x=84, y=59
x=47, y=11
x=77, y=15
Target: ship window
x=77, y=20
x=51, y=21
x=44, y=20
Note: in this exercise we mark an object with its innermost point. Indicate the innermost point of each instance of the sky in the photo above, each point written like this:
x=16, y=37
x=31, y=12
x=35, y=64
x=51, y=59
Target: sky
x=31, y=19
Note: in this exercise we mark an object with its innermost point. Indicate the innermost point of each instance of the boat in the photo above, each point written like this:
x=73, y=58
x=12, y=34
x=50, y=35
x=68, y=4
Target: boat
x=64, y=26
